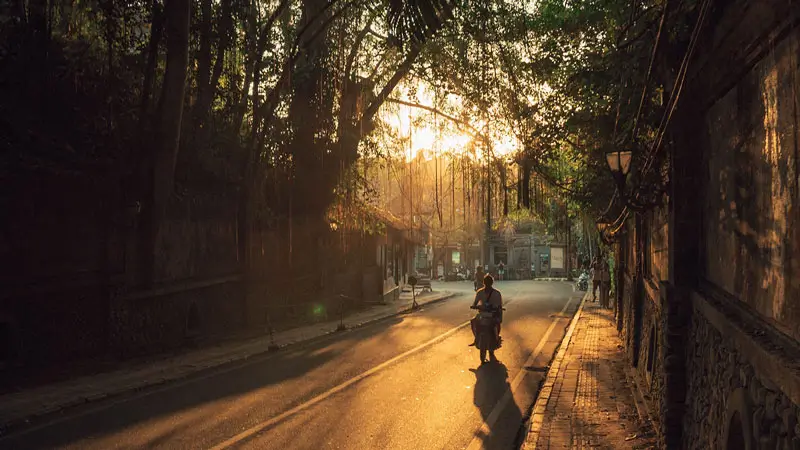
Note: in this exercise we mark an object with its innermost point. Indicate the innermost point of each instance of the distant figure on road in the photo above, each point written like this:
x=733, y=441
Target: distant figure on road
x=478, y=280
x=501, y=270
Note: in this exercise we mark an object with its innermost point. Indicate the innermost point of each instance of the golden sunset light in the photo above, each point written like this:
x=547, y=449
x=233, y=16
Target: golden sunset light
x=399, y=224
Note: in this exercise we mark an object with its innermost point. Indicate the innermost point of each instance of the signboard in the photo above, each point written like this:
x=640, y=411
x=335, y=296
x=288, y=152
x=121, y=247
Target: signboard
x=456, y=258
x=556, y=258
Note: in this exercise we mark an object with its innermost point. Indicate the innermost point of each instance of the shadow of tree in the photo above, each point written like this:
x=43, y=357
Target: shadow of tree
x=217, y=389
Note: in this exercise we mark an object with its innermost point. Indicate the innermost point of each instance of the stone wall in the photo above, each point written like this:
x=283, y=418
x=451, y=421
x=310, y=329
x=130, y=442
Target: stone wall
x=631, y=291
x=51, y=327
x=752, y=226
x=739, y=391
x=728, y=396
x=649, y=367
x=158, y=321
x=725, y=372
x=60, y=249
x=628, y=322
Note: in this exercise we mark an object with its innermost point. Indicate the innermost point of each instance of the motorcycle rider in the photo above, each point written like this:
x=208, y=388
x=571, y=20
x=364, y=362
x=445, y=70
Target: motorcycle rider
x=487, y=295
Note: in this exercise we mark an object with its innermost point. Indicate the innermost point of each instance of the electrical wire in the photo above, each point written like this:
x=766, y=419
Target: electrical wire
x=677, y=88
x=650, y=68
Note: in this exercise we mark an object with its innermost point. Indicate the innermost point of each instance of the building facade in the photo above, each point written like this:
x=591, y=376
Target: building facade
x=708, y=286
x=527, y=256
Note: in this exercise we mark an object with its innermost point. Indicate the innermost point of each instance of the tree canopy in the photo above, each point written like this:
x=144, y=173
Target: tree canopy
x=276, y=101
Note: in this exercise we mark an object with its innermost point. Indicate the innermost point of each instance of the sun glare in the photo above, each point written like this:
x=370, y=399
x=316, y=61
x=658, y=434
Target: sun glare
x=430, y=134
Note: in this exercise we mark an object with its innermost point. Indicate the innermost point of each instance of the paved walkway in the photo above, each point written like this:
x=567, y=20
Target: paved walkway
x=21, y=407
x=586, y=401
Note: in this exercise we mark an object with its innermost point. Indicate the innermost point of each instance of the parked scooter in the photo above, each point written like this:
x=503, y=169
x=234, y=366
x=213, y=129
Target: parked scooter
x=583, y=281
x=487, y=337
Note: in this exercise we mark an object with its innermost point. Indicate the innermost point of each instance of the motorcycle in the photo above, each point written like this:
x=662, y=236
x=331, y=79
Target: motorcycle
x=583, y=281
x=487, y=337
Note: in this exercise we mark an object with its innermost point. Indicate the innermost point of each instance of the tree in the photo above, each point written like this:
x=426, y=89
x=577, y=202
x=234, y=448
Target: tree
x=167, y=142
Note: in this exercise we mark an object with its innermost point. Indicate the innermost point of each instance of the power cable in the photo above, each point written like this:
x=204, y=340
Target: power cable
x=650, y=68
x=677, y=88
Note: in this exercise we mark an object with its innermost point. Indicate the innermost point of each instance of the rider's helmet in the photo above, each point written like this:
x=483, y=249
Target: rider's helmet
x=488, y=280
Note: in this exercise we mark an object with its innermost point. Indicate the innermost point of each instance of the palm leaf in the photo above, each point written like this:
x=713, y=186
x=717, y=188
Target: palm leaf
x=411, y=21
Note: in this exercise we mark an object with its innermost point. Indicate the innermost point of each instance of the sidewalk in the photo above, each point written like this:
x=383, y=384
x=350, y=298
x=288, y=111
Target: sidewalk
x=586, y=401
x=22, y=407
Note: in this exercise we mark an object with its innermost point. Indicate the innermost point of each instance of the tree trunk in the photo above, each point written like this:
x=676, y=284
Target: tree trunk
x=203, y=56
x=167, y=143
x=157, y=28
x=526, y=184
x=504, y=185
x=206, y=96
x=250, y=61
x=569, y=247
x=310, y=113
x=38, y=40
x=197, y=137
x=256, y=48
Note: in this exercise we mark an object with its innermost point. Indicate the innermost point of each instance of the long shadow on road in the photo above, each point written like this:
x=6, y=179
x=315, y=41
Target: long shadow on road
x=207, y=388
x=491, y=385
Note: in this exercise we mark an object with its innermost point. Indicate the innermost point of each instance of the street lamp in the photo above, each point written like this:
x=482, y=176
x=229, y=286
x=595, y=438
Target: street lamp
x=647, y=196
x=602, y=228
x=619, y=162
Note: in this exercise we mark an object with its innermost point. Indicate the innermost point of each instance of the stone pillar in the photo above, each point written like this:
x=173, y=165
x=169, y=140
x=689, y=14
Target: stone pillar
x=619, y=282
x=685, y=212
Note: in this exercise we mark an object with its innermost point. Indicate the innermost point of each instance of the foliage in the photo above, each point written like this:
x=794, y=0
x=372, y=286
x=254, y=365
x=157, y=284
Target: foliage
x=566, y=78
x=282, y=97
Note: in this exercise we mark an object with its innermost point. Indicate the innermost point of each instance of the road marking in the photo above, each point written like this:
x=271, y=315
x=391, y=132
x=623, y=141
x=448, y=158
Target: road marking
x=266, y=424
x=200, y=375
x=477, y=441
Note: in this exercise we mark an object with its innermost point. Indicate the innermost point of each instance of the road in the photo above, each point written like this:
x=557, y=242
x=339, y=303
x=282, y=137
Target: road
x=409, y=382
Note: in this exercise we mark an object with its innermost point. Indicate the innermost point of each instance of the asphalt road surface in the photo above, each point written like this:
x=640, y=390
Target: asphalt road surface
x=409, y=382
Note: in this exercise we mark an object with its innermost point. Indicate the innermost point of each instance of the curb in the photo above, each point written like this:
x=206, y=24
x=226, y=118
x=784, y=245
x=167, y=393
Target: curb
x=16, y=424
x=406, y=310
x=539, y=408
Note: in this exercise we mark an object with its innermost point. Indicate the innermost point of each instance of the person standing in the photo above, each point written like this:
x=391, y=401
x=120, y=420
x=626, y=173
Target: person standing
x=605, y=283
x=478, y=280
x=595, y=269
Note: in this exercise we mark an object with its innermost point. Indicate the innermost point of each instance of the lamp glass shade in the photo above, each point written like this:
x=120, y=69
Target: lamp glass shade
x=619, y=162
x=625, y=161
